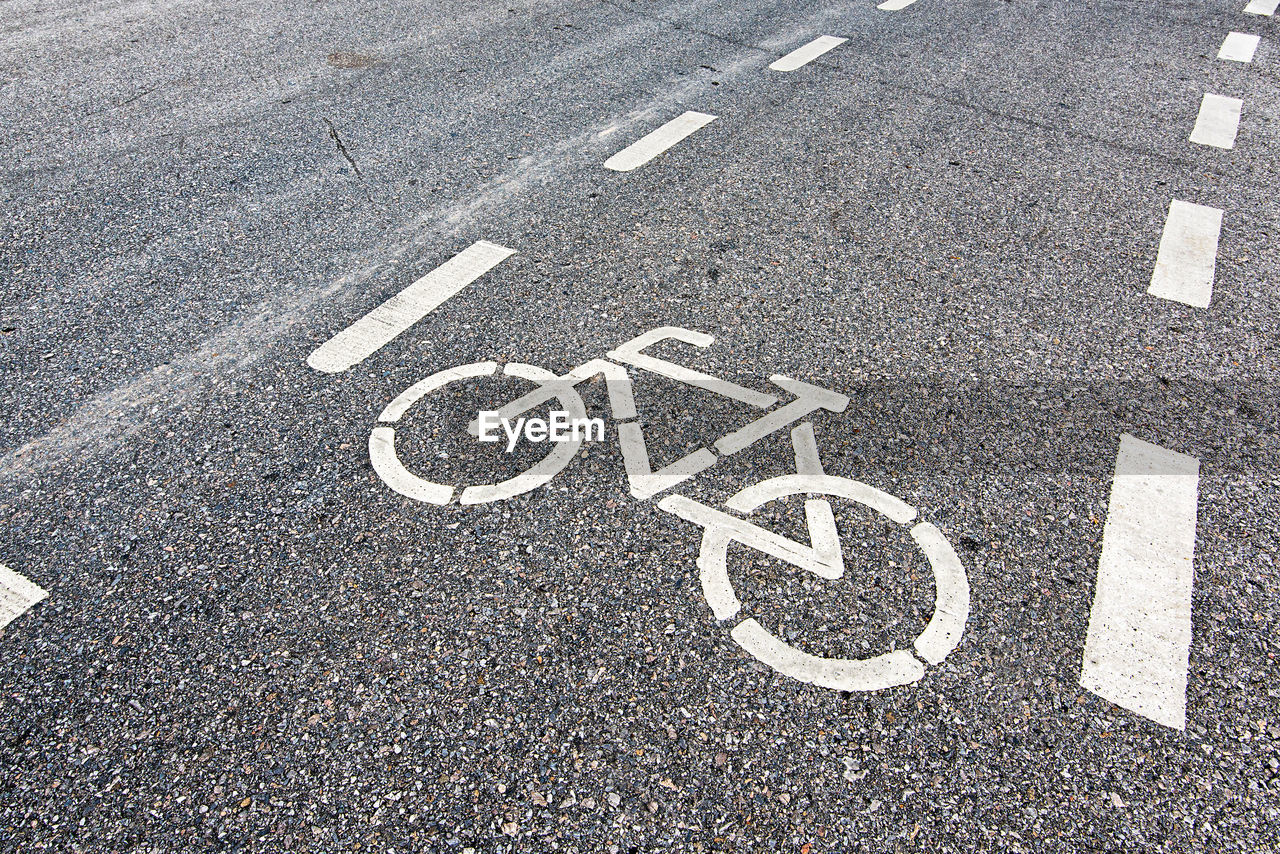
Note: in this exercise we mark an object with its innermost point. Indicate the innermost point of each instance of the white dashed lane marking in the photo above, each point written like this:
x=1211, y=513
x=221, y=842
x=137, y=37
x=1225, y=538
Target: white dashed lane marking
x=1188, y=253
x=1218, y=121
x=17, y=594
x=1238, y=47
x=379, y=327
x=895, y=5
x=1262, y=7
x=651, y=145
x=802, y=56
x=1139, y=636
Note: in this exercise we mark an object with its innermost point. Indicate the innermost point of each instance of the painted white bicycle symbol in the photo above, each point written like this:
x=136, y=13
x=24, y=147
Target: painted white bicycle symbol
x=822, y=556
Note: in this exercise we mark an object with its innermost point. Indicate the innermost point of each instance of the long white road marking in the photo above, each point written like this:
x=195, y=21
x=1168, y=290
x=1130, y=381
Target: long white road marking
x=1139, y=639
x=1238, y=47
x=379, y=327
x=17, y=594
x=1218, y=121
x=895, y=5
x=1262, y=7
x=652, y=144
x=802, y=56
x=1188, y=252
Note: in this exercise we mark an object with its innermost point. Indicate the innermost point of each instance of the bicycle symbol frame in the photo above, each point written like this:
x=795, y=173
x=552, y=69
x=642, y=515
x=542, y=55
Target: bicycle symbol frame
x=822, y=556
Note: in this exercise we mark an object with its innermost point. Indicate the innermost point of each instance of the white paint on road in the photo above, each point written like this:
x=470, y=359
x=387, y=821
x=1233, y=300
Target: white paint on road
x=17, y=594
x=1139, y=638
x=562, y=453
x=951, y=595
x=1218, y=121
x=651, y=145
x=1262, y=7
x=809, y=398
x=643, y=481
x=805, y=445
x=824, y=558
x=839, y=674
x=631, y=353
x=802, y=56
x=379, y=327
x=895, y=5
x=1188, y=253
x=1238, y=47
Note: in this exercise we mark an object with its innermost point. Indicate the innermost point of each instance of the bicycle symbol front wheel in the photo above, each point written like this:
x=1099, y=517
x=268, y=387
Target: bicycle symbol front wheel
x=939, y=638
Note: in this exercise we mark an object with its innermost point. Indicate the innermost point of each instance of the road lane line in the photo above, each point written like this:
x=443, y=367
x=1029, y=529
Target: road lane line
x=652, y=144
x=1218, y=121
x=379, y=327
x=1188, y=252
x=1238, y=47
x=802, y=56
x=1139, y=638
x=17, y=594
x=1262, y=7
x=895, y=5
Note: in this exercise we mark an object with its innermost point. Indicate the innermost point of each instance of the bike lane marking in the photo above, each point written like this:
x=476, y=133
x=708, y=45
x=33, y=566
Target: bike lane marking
x=1138, y=644
x=1218, y=121
x=17, y=595
x=840, y=674
x=805, y=54
x=1187, y=255
x=1262, y=7
x=631, y=354
x=381, y=326
x=655, y=142
x=951, y=605
x=809, y=398
x=1238, y=47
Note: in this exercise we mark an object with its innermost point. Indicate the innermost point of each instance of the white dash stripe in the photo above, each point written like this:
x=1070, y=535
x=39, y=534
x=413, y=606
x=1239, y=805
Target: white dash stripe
x=1188, y=253
x=895, y=5
x=1238, y=47
x=1262, y=7
x=805, y=54
x=1218, y=121
x=379, y=327
x=17, y=594
x=652, y=144
x=1139, y=639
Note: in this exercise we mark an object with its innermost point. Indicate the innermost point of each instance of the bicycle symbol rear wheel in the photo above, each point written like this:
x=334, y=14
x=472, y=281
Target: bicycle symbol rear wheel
x=386, y=462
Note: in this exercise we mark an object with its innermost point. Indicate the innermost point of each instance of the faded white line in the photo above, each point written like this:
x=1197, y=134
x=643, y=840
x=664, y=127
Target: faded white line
x=1238, y=47
x=1218, y=121
x=1188, y=253
x=895, y=5
x=805, y=445
x=17, y=594
x=1262, y=7
x=1139, y=638
x=379, y=327
x=654, y=143
x=802, y=56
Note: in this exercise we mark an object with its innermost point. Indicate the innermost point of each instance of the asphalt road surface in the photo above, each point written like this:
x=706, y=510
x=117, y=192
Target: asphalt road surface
x=1016, y=593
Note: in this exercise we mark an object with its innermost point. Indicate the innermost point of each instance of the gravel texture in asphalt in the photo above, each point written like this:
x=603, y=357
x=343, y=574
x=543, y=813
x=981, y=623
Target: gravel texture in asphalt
x=251, y=643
